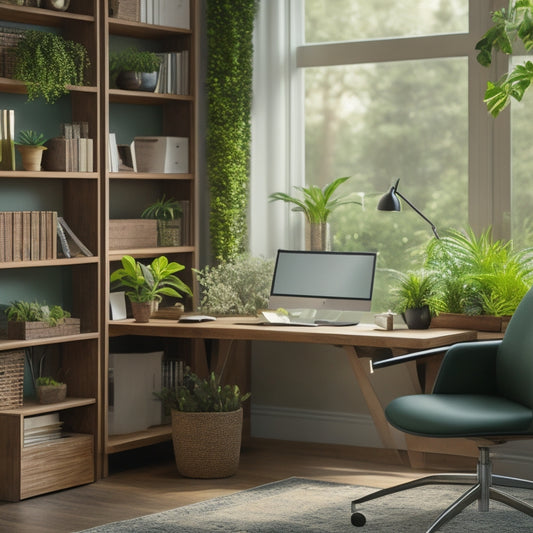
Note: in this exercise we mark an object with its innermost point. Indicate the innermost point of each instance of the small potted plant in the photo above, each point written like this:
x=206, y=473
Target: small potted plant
x=416, y=294
x=168, y=214
x=146, y=284
x=47, y=63
x=317, y=205
x=49, y=390
x=30, y=145
x=206, y=425
x=134, y=70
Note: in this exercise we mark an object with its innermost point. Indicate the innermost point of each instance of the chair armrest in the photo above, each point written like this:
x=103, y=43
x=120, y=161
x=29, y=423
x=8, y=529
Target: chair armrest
x=414, y=356
x=468, y=368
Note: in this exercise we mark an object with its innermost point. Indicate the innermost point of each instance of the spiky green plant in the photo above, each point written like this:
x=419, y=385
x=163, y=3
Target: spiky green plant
x=23, y=311
x=30, y=138
x=316, y=203
x=478, y=275
x=197, y=395
x=415, y=289
x=163, y=209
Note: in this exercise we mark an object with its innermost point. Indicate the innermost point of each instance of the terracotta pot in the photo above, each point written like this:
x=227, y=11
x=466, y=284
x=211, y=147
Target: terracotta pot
x=32, y=156
x=207, y=445
x=141, y=311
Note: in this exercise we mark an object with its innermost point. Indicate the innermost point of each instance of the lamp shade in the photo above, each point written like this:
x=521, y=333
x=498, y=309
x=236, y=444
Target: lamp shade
x=389, y=201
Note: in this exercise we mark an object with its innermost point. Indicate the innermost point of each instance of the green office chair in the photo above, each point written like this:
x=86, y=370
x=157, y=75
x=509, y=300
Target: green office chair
x=483, y=392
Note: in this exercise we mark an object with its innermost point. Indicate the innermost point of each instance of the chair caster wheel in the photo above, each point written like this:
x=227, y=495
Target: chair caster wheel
x=358, y=519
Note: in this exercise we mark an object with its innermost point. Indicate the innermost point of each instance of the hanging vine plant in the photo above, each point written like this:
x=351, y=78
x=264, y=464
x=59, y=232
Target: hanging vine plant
x=230, y=26
x=47, y=63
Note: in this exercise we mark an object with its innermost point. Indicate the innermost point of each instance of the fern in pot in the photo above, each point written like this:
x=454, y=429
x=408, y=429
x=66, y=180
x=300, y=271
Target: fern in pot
x=206, y=425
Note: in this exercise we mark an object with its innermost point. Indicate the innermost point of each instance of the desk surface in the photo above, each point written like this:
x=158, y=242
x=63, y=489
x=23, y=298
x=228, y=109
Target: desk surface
x=248, y=328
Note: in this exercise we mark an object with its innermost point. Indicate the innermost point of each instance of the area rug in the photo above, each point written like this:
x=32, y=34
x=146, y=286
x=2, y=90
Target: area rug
x=298, y=505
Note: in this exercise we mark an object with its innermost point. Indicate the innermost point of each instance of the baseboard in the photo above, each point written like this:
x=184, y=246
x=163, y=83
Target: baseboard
x=305, y=425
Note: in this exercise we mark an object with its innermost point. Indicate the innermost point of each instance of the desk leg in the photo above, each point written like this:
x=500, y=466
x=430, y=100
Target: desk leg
x=371, y=398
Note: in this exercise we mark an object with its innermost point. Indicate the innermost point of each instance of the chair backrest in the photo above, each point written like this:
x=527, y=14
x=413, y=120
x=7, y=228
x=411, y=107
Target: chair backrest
x=515, y=355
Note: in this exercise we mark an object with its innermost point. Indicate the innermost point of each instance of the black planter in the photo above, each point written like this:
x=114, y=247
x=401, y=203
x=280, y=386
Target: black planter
x=419, y=318
x=137, y=81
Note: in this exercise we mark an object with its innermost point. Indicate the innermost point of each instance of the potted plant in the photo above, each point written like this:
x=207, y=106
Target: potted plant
x=30, y=145
x=317, y=204
x=47, y=63
x=134, y=70
x=32, y=320
x=49, y=390
x=237, y=287
x=206, y=425
x=168, y=214
x=509, y=26
x=146, y=284
x=416, y=293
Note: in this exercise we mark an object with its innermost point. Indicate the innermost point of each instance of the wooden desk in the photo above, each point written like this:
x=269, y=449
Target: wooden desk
x=361, y=343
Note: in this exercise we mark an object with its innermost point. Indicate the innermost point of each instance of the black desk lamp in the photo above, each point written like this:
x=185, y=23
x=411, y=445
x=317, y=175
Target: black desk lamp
x=390, y=202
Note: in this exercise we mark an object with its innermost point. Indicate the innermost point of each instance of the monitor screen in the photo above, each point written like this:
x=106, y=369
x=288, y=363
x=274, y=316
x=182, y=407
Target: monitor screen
x=323, y=280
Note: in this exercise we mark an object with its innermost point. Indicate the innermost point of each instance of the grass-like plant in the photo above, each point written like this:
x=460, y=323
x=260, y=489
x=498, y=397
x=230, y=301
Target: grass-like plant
x=30, y=138
x=163, y=209
x=134, y=60
x=47, y=381
x=201, y=395
x=23, y=311
x=47, y=63
x=415, y=290
x=478, y=275
x=316, y=203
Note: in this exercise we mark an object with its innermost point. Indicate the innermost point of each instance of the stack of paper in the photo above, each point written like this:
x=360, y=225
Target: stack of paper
x=43, y=428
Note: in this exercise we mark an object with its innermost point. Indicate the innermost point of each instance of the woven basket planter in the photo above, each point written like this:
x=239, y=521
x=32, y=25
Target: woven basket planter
x=207, y=445
x=51, y=393
x=41, y=330
x=11, y=379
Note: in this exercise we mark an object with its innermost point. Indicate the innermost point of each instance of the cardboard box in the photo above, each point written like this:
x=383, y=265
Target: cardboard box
x=167, y=155
x=132, y=233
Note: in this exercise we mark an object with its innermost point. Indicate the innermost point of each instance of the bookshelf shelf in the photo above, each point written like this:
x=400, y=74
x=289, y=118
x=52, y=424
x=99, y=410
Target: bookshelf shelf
x=147, y=176
x=41, y=16
x=32, y=408
x=16, y=344
x=131, y=441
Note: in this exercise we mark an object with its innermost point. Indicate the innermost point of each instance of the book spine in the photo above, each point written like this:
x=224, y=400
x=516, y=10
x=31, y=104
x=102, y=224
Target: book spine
x=17, y=235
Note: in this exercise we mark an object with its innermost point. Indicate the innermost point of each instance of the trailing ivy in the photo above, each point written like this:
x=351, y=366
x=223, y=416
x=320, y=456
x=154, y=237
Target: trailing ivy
x=229, y=83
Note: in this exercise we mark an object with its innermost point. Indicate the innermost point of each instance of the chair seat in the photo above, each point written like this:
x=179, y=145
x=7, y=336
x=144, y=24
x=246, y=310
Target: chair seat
x=459, y=415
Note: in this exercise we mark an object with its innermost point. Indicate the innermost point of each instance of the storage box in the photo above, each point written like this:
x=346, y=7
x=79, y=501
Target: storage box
x=166, y=155
x=11, y=379
x=42, y=330
x=132, y=233
x=124, y=9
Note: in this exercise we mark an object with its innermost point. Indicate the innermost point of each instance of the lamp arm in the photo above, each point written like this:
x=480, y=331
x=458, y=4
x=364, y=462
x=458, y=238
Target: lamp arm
x=419, y=212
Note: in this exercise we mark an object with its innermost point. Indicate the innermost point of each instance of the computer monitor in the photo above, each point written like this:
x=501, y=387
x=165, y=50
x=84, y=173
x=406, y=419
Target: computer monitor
x=340, y=281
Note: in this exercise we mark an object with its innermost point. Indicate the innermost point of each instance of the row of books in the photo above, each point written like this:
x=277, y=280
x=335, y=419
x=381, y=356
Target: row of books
x=173, y=13
x=37, y=236
x=42, y=428
x=172, y=373
x=72, y=151
x=7, y=139
x=173, y=77
x=28, y=235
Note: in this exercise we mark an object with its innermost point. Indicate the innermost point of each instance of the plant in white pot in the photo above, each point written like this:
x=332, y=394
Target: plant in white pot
x=206, y=425
x=317, y=204
x=146, y=284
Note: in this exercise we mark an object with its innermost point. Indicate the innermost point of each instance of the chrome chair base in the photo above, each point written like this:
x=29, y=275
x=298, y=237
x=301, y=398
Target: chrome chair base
x=483, y=491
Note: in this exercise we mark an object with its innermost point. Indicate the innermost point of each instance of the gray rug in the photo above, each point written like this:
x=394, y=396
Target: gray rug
x=304, y=506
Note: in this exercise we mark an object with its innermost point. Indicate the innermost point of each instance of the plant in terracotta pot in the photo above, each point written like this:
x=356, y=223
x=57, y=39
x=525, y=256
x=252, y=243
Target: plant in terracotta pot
x=167, y=212
x=416, y=297
x=146, y=284
x=134, y=70
x=49, y=390
x=317, y=204
x=206, y=425
x=30, y=145
x=47, y=63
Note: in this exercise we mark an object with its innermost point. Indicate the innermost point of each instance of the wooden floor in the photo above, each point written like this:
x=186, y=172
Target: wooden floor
x=139, y=485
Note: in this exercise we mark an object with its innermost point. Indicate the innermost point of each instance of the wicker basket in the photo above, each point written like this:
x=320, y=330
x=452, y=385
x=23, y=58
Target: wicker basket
x=207, y=445
x=11, y=379
x=40, y=330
